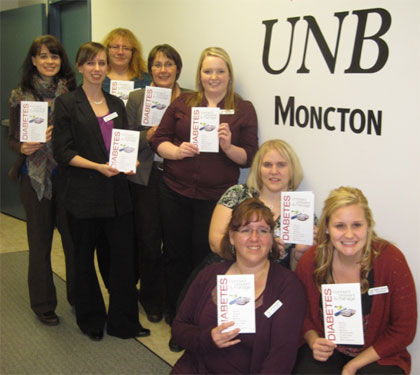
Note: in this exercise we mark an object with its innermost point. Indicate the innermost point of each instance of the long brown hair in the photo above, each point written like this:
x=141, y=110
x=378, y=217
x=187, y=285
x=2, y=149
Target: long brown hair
x=55, y=47
x=342, y=197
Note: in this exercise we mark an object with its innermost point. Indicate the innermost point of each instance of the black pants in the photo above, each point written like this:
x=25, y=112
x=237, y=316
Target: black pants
x=122, y=320
x=41, y=218
x=306, y=364
x=148, y=237
x=185, y=223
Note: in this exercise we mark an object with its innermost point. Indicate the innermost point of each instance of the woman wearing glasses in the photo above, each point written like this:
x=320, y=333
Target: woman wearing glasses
x=125, y=63
x=164, y=64
x=125, y=58
x=248, y=247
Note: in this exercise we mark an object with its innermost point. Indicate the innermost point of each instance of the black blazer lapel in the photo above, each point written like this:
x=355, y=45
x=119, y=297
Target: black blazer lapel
x=91, y=120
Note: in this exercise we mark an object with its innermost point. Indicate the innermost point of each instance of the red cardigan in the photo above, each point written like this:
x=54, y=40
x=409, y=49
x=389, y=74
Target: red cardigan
x=393, y=316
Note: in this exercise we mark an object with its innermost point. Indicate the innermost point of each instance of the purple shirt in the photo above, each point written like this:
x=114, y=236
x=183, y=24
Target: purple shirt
x=207, y=175
x=106, y=130
x=272, y=349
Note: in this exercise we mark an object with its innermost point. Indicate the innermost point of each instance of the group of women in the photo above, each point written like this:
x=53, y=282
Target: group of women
x=163, y=220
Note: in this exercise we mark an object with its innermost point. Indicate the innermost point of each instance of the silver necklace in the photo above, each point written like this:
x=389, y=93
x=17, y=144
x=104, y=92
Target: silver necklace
x=98, y=102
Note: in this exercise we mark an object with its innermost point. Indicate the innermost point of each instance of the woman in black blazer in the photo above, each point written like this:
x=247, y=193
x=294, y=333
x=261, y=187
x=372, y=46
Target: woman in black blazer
x=97, y=199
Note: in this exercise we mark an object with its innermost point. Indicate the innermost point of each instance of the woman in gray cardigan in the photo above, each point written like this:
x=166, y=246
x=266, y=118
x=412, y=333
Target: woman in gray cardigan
x=164, y=65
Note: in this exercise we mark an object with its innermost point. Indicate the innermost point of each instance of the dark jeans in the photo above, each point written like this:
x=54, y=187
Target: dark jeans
x=148, y=236
x=41, y=218
x=122, y=318
x=306, y=364
x=185, y=223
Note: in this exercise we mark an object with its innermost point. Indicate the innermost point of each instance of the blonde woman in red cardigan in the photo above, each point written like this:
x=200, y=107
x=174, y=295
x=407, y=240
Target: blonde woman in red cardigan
x=349, y=251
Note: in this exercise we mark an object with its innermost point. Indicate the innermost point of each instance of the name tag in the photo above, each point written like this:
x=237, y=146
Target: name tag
x=378, y=290
x=227, y=111
x=273, y=308
x=111, y=116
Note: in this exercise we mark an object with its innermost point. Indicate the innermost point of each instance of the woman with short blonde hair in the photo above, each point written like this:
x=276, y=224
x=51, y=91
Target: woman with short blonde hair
x=276, y=168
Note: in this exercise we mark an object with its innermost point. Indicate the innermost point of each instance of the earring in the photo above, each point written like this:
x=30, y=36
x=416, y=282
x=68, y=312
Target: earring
x=233, y=250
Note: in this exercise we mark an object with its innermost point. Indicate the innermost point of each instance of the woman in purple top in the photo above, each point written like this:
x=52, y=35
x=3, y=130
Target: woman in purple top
x=193, y=181
x=97, y=199
x=248, y=248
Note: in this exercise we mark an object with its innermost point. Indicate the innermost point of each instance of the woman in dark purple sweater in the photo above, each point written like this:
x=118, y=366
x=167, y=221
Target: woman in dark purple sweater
x=248, y=248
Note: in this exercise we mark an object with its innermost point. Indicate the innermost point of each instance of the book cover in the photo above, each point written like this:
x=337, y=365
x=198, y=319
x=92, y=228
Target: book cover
x=343, y=316
x=297, y=217
x=121, y=89
x=205, y=123
x=33, y=121
x=156, y=101
x=124, y=149
x=236, y=302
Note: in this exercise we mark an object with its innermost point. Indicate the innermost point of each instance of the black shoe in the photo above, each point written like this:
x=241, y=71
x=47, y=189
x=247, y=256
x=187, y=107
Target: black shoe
x=155, y=318
x=174, y=347
x=49, y=318
x=169, y=319
x=142, y=332
x=94, y=335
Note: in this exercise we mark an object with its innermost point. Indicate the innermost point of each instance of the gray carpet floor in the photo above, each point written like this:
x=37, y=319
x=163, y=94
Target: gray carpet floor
x=29, y=347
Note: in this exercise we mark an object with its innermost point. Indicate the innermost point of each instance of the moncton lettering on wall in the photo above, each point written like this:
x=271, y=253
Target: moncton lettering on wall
x=329, y=118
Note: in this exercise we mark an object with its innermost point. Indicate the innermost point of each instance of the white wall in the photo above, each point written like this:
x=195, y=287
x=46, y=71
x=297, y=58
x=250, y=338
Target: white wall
x=384, y=166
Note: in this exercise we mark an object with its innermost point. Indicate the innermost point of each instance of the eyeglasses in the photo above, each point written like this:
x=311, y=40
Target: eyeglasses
x=167, y=65
x=247, y=232
x=115, y=48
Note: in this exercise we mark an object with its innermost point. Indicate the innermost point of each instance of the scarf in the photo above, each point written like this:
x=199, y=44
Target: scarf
x=41, y=163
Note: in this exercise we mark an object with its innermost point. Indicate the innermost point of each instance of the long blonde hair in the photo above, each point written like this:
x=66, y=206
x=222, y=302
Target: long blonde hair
x=342, y=197
x=137, y=66
x=230, y=97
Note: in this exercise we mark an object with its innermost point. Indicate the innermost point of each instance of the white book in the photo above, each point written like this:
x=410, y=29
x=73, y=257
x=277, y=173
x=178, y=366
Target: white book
x=33, y=121
x=343, y=316
x=236, y=302
x=205, y=123
x=297, y=217
x=121, y=89
x=124, y=148
x=156, y=101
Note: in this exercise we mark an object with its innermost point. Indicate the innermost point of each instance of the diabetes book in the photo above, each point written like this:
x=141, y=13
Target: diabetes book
x=342, y=310
x=121, y=89
x=204, y=128
x=156, y=101
x=236, y=302
x=124, y=149
x=33, y=121
x=297, y=217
